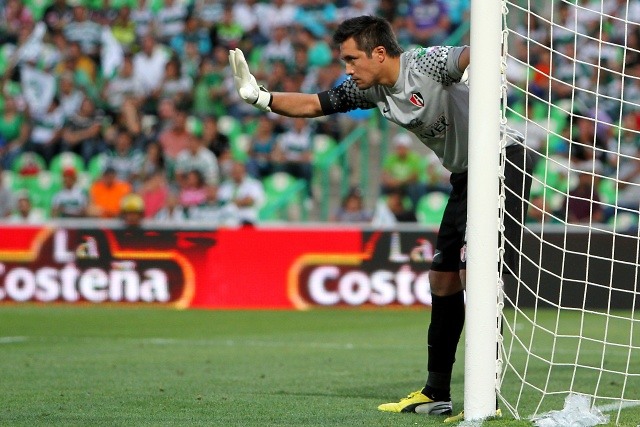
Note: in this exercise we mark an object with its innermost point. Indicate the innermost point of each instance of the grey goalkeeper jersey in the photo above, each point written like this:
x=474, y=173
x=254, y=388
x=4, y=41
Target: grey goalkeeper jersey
x=428, y=100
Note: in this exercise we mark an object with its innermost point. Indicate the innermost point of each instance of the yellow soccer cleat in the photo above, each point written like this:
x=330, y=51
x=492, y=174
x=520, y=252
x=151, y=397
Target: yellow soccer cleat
x=460, y=417
x=419, y=403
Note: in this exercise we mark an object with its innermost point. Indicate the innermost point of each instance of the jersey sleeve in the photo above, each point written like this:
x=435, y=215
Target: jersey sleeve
x=438, y=62
x=344, y=97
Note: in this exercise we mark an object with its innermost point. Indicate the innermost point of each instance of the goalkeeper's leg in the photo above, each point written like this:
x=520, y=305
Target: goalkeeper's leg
x=447, y=312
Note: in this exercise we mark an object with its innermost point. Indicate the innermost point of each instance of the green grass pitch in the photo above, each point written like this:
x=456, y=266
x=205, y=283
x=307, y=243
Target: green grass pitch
x=108, y=366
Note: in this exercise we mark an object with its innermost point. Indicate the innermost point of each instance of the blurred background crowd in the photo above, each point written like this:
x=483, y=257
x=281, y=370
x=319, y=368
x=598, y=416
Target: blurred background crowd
x=112, y=105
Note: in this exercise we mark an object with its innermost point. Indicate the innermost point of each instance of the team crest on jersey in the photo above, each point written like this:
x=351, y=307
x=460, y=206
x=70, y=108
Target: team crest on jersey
x=417, y=99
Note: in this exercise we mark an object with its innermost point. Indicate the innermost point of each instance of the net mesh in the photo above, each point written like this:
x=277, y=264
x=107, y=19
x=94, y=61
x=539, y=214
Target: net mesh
x=571, y=86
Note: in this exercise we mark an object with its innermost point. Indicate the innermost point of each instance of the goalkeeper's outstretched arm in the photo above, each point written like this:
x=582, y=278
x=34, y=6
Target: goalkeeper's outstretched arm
x=288, y=104
x=294, y=104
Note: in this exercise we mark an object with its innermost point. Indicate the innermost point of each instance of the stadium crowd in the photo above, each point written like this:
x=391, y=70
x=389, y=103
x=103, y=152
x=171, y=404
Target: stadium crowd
x=119, y=97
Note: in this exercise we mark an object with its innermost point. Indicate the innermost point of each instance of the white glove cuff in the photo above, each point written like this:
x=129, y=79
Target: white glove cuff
x=263, y=101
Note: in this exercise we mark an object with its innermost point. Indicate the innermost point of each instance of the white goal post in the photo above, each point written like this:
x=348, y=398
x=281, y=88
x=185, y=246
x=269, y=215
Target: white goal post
x=482, y=210
x=565, y=74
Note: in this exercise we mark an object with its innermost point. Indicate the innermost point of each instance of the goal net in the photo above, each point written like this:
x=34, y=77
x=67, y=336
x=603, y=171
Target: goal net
x=571, y=85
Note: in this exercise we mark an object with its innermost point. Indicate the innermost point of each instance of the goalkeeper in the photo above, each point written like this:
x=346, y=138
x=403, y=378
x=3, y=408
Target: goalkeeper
x=420, y=90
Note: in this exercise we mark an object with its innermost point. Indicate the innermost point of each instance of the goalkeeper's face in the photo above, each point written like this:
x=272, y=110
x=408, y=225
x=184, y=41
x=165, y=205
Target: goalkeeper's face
x=364, y=70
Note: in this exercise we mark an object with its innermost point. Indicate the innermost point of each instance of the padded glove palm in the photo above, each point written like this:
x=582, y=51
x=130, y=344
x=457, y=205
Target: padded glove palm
x=246, y=84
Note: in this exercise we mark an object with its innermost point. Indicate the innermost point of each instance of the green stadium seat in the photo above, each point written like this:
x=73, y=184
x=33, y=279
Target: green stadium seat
x=277, y=186
x=624, y=221
x=229, y=126
x=96, y=165
x=322, y=147
x=240, y=146
x=37, y=7
x=65, y=160
x=608, y=191
x=28, y=163
x=41, y=189
x=8, y=179
x=430, y=208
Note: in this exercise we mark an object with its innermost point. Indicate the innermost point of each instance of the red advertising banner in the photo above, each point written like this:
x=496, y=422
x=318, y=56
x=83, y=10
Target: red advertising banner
x=255, y=268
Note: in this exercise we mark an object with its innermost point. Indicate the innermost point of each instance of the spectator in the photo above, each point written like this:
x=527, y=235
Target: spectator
x=105, y=13
x=210, y=11
x=209, y=92
x=14, y=15
x=197, y=157
x=241, y=195
x=318, y=51
x=124, y=96
x=106, y=193
x=125, y=158
x=195, y=33
x=70, y=95
x=170, y=19
x=294, y=154
x=149, y=65
x=155, y=193
x=79, y=65
x=175, y=85
x=82, y=132
x=132, y=210
x=317, y=15
x=152, y=161
x=245, y=13
x=352, y=208
x=142, y=17
x=84, y=31
x=428, y=22
x=71, y=201
x=357, y=8
x=389, y=10
x=163, y=121
x=565, y=27
x=14, y=132
x=276, y=13
x=124, y=29
x=217, y=142
x=392, y=208
x=191, y=61
x=278, y=75
x=227, y=32
x=588, y=144
x=279, y=46
x=194, y=191
x=172, y=212
x=458, y=11
x=57, y=15
x=261, y=150
x=628, y=187
x=24, y=212
x=582, y=205
x=176, y=138
x=401, y=169
x=6, y=198
x=46, y=131
x=437, y=177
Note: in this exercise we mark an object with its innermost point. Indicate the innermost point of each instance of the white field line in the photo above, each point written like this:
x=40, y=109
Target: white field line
x=614, y=406
x=11, y=340
x=603, y=408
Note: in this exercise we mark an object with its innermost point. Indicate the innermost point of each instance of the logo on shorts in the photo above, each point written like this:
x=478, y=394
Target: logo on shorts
x=437, y=257
x=463, y=253
x=417, y=99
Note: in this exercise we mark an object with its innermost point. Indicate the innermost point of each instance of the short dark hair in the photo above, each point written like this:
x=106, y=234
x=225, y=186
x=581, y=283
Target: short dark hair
x=368, y=32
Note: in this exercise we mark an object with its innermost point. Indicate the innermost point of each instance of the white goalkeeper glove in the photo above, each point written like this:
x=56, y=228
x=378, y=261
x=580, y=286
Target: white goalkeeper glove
x=246, y=84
